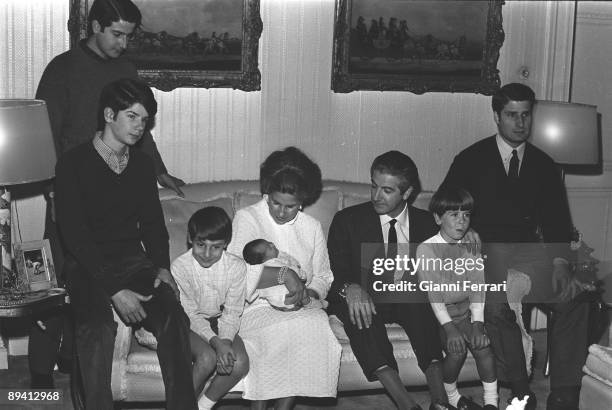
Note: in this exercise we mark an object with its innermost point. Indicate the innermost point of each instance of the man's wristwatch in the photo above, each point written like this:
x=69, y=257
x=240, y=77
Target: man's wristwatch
x=342, y=291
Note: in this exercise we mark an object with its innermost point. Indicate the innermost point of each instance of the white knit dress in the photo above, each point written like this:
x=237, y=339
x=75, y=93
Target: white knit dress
x=290, y=353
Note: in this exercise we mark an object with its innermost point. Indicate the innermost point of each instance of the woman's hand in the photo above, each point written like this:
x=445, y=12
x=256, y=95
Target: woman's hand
x=296, y=288
x=309, y=295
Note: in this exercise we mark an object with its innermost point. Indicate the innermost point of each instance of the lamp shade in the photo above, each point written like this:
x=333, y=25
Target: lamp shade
x=567, y=132
x=27, y=150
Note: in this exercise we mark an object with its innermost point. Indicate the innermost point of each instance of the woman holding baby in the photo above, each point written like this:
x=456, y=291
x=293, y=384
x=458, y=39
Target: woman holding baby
x=292, y=352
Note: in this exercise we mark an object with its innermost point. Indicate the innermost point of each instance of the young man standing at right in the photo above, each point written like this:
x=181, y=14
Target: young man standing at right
x=522, y=214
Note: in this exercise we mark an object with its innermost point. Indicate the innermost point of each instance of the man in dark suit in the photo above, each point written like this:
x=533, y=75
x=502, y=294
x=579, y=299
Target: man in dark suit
x=357, y=236
x=522, y=215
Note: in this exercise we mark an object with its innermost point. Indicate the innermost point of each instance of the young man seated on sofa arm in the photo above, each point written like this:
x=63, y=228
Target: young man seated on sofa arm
x=107, y=209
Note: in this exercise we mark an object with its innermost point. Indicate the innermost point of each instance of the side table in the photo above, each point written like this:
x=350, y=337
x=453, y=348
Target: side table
x=14, y=305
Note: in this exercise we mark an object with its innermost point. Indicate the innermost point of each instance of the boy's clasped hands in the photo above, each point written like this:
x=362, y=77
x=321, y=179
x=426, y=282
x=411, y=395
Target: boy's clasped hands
x=456, y=340
x=225, y=354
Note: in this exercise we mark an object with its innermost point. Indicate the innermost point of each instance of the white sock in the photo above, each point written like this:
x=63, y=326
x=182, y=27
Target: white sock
x=490, y=393
x=204, y=403
x=452, y=393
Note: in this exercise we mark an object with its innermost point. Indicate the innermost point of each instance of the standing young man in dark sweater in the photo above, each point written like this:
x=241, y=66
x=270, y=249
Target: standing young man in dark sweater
x=72, y=81
x=107, y=209
x=71, y=86
x=522, y=214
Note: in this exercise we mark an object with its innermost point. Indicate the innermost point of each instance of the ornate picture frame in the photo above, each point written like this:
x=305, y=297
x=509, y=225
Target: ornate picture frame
x=35, y=268
x=177, y=44
x=417, y=46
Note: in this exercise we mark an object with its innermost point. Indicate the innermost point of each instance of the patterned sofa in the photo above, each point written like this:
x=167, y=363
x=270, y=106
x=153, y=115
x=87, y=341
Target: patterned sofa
x=136, y=375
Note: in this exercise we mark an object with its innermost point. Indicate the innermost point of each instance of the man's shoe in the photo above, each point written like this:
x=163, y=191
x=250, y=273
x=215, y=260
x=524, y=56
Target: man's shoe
x=466, y=403
x=490, y=407
x=532, y=402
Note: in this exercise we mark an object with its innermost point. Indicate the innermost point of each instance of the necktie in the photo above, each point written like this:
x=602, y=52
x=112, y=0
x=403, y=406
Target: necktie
x=391, y=251
x=392, y=240
x=513, y=169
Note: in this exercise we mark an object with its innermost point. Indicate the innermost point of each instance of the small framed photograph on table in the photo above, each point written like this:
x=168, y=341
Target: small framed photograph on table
x=35, y=269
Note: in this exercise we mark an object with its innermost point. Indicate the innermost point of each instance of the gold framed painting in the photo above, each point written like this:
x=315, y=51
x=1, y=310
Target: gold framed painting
x=417, y=46
x=189, y=43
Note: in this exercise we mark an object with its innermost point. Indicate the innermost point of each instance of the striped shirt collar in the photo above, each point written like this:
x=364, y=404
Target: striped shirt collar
x=116, y=162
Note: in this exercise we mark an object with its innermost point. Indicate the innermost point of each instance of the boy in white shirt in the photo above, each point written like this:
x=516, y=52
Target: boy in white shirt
x=212, y=284
x=446, y=266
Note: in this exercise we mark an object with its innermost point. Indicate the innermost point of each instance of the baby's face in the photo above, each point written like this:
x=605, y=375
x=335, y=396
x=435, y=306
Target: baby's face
x=269, y=251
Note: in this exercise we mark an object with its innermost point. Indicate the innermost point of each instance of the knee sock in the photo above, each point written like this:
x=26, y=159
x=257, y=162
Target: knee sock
x=452, y=393
x=490, y=393
x=204, y=403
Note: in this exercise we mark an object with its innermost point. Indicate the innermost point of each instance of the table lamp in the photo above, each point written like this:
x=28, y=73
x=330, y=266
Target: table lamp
x=27, y=154
x=568, y=132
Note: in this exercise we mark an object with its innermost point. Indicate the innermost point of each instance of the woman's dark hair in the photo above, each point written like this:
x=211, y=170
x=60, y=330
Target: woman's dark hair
x=251, y=253
x=290, y=171
x=210, y=223
x=106, y=12
x=511, y=92
x=451, y=198
x=122, y=94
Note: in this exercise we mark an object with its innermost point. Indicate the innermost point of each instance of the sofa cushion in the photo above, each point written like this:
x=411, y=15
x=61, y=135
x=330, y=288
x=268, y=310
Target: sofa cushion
x=422, y=201
x=145, y=338
x=142, y=360
x=325, y=208
x=246, y=198
x=599, y=363
x=402, y=349
x=349, y=199
x=177, y=212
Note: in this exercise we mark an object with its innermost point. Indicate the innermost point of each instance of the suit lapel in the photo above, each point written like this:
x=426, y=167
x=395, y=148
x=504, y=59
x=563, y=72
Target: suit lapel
x=526, y=165
x=495, y=156
x=372, y=230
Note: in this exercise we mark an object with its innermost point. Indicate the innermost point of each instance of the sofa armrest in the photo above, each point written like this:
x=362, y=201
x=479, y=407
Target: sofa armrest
x=123, y=341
